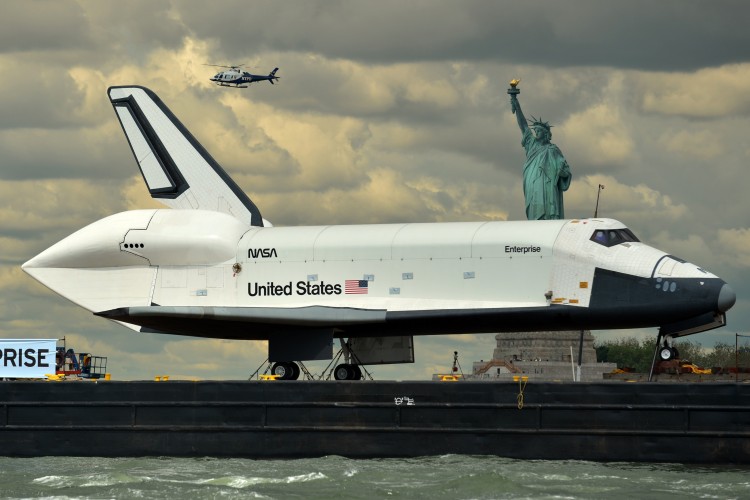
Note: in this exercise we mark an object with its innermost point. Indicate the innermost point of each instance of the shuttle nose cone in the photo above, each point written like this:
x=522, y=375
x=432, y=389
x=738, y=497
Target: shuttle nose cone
x=726, y=299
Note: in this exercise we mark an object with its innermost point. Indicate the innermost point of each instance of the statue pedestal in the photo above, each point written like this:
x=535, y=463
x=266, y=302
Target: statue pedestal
x=543, y=355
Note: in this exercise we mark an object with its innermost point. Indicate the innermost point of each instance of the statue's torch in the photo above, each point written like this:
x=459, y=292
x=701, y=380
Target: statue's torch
x=513, y=91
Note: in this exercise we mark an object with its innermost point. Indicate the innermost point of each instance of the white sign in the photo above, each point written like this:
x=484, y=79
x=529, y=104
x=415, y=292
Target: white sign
x=27, y=358
x=405, y=399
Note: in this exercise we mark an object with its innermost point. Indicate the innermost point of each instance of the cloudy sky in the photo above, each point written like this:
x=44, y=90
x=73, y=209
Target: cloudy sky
x=386, y=111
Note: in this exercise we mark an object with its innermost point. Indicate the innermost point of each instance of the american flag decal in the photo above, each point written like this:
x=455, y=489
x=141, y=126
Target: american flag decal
x=355, y=286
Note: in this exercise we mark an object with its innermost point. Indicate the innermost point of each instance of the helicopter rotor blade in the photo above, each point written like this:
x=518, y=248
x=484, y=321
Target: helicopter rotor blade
x=236, y=66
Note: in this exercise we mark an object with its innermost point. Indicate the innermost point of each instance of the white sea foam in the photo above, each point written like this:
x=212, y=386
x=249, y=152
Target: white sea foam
x=450, y=478
x=313, y=476
x=54, y=481
x=111, y=479
x=244, y=481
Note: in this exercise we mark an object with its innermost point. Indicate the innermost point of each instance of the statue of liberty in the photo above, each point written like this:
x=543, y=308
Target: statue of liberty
x=546, y=173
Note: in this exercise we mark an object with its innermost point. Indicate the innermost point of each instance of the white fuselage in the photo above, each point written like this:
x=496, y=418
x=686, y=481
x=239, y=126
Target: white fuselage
x=203, y=259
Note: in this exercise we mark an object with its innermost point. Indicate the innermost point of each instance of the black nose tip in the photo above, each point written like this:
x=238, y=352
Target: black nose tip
x=726, y=299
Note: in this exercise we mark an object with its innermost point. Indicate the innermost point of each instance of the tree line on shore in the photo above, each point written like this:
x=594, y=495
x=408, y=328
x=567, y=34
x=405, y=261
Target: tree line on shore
x=638, y=354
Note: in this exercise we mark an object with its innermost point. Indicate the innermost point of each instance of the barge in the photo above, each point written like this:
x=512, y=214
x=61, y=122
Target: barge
x=603, y=421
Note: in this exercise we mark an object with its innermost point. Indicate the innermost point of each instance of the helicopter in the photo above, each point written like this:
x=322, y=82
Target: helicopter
x=234, y=76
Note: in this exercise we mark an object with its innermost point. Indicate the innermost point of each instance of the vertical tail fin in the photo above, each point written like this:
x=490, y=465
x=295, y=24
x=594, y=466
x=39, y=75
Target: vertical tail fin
x=178, y=171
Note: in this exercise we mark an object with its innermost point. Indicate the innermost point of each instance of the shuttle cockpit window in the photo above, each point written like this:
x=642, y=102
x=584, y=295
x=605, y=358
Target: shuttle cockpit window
x=612, y=237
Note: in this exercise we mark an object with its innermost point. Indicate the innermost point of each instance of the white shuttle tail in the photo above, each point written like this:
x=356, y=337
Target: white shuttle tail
x=178, y=171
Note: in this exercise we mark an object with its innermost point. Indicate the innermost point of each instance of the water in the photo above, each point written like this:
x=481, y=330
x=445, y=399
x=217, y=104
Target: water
x=447, y=477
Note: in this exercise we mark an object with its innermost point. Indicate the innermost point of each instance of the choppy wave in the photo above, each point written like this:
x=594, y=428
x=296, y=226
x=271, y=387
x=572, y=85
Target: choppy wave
x=450, y=477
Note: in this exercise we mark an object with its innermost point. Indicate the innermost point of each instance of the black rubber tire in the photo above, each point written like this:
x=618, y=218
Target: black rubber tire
x=342, y=372
x=357, y=372
x=295, y=370
x=282, y=370
x=666, y=353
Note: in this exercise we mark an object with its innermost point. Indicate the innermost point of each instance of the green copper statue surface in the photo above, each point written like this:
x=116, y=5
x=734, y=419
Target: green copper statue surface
x=546, y=173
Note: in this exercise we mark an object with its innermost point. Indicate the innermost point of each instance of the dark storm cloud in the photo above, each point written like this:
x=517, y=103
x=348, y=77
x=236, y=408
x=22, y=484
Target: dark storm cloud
x=664, y=35
x=87, y=32
x=54, y=101
x=133, y=28
x=74, y=153
x=30, y=25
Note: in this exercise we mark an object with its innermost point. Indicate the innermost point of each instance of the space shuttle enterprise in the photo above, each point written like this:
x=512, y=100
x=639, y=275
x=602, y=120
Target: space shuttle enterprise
x=212, y=266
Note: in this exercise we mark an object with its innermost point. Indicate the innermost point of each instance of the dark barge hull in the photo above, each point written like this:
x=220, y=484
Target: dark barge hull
x=675, y=422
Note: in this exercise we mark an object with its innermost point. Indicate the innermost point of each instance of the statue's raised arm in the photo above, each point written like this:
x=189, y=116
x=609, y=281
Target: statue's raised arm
x=515, y=106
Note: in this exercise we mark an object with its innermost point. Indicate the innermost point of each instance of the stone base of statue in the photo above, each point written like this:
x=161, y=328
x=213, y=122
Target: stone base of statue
x=542, y=356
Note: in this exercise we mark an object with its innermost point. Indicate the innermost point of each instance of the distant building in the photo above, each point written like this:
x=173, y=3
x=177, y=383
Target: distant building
x=541, y=356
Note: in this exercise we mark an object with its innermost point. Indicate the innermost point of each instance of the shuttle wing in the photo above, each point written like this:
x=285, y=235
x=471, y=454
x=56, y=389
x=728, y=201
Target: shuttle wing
x=178, y=171
x=243, y=322
x=311, y=316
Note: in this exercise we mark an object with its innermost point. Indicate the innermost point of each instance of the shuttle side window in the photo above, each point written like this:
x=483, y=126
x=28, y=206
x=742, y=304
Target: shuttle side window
x=628, y=235
x=612, y=237
x=600, y=236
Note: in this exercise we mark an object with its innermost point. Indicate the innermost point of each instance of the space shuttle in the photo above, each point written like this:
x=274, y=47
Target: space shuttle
x=211, y=266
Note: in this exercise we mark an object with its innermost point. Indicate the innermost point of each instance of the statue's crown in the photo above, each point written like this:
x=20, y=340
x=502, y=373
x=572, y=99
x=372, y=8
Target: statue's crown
x=537, y=122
